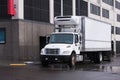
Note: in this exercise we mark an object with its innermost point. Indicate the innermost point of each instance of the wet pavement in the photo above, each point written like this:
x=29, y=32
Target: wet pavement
x=83, y=71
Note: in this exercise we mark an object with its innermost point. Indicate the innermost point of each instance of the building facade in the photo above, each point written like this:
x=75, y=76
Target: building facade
x=23, y=27
x=24, y=24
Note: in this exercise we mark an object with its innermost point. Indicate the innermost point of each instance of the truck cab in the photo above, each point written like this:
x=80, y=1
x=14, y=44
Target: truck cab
x=62, y=47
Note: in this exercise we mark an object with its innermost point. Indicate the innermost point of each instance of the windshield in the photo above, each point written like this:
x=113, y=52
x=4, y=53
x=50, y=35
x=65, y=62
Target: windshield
x=61, y=38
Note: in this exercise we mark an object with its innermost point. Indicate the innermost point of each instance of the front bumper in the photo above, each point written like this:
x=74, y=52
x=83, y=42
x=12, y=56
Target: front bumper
x=55, y=58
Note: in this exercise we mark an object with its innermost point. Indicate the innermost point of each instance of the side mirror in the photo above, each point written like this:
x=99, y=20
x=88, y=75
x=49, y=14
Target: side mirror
x=47, y=39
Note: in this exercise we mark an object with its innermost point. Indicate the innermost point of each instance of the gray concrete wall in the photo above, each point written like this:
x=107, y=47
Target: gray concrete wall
x=10, y=50
x=29, y=33
x=22, y=39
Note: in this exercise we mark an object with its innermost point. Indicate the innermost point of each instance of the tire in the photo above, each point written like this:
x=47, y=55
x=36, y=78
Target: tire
x=98, y=58
x=72, y=60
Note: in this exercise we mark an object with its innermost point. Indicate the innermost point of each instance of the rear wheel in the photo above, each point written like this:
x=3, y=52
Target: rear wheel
x=98, y=57
x=72, y=60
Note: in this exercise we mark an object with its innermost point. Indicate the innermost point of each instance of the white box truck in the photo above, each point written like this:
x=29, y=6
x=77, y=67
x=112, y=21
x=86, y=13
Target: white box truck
x=77, y=38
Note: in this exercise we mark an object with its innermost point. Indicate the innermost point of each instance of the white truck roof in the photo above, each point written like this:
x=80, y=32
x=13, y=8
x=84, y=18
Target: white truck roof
x=67, y=23
x=67, y=20
x=64, y=33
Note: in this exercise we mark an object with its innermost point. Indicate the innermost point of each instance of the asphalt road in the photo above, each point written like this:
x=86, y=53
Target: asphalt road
x=82, y=71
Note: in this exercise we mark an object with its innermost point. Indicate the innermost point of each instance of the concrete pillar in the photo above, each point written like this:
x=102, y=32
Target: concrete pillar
x=19, y=7
x=74, y=7
x=51, y=8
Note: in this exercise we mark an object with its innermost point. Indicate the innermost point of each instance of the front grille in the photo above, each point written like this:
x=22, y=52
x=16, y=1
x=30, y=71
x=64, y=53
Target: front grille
x=52, y=51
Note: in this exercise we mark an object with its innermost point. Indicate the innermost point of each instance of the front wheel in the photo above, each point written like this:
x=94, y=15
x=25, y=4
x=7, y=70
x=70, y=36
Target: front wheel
x=44, y=63
x=72, y=60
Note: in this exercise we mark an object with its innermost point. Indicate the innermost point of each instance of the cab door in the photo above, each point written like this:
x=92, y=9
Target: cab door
x=76, y=44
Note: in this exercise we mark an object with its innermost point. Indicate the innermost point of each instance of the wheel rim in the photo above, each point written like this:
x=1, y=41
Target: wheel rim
x=73, y=60
x=100, y=57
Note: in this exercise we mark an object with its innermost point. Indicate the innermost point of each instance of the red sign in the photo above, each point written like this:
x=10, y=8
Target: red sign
x=11, y=9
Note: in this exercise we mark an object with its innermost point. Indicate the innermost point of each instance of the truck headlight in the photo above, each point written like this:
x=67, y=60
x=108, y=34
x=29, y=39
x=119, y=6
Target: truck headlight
x=66, y=52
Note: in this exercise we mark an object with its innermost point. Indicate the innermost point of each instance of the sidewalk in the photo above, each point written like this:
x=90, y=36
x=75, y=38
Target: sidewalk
x=8, y=63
